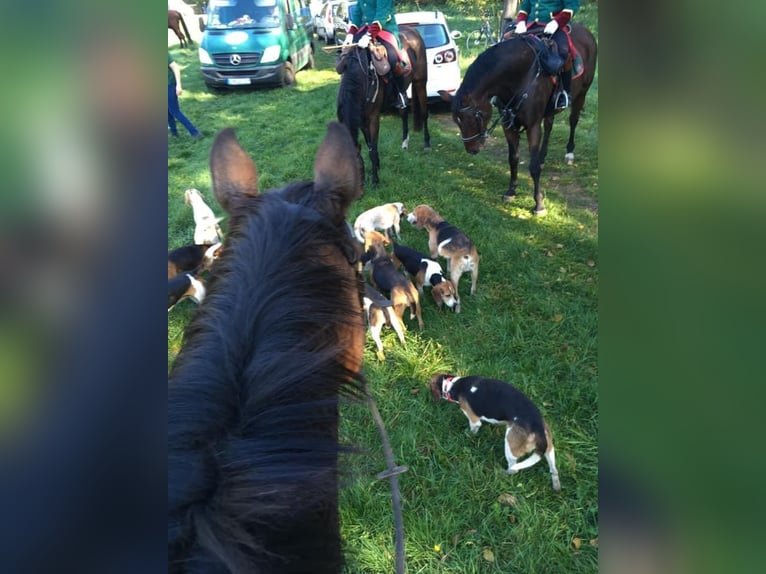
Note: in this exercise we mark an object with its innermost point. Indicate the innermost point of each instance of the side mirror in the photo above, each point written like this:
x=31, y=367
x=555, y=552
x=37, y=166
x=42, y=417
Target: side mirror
x=202, y=23
x=290, y=22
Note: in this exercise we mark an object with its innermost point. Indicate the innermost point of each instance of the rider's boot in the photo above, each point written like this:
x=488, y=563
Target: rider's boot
x=564, y=99
x=400, y=94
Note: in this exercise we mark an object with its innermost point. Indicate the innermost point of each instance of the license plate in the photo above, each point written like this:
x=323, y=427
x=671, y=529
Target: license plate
x=238, y=81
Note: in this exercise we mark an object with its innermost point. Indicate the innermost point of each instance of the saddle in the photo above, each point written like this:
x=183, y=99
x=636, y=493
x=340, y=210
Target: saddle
x=547, y=59
x=403, y=66
x=380, y=59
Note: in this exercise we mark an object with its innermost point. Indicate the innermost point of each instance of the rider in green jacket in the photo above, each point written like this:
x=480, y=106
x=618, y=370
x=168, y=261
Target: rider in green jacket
x=374, y=20
x=554, y=15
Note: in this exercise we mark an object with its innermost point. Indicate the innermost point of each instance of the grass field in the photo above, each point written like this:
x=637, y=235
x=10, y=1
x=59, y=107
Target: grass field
x=533, y=322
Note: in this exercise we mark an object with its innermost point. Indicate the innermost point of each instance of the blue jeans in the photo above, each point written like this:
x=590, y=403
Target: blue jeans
x=175, y=113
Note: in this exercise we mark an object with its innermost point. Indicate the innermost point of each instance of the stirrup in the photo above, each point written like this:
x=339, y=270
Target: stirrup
x=563, y=100
x=401, y=101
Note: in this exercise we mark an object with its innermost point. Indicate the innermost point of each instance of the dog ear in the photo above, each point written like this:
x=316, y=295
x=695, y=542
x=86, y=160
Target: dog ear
x=233, y=172
x=436, y=386
x=336, y=171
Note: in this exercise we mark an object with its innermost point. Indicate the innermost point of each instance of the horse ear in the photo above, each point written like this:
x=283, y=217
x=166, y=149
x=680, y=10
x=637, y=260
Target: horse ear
x=445, y=95
x=336, y=169
x=232, y=170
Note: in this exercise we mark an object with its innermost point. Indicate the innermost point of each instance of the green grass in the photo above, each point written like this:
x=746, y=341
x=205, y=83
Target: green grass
x=533, y=322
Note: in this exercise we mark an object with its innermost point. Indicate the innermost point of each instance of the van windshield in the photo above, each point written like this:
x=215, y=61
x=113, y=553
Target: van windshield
x=228, y=14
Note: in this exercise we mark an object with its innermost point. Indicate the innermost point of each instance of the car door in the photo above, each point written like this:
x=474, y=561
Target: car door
x=298, y=41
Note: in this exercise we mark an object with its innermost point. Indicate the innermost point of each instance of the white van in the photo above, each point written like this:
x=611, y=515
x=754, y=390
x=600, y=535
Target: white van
x=441, y=49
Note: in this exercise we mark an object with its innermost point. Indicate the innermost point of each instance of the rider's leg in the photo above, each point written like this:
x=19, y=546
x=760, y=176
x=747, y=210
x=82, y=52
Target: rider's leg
x=397, y=81
x=564, y=98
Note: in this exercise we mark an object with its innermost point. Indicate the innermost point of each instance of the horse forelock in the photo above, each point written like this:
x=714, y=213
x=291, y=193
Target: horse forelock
x=252, y=397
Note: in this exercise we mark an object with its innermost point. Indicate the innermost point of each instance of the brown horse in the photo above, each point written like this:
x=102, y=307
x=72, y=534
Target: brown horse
x=509, y=76
x=175, y=21
x=362, y=95
x=253, y=394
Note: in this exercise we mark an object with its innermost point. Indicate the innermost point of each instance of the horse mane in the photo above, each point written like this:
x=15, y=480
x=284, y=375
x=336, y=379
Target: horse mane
x=253, y=399
x=496, y=61
x=352, y=93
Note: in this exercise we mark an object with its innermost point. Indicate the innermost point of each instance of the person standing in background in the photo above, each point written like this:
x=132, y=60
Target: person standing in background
x=174, y=108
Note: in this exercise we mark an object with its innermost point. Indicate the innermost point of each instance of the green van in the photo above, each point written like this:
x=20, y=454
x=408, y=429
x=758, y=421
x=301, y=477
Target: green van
x=255, y=42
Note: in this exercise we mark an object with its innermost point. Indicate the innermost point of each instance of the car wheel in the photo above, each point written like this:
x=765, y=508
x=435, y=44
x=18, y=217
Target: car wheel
x=288, y=74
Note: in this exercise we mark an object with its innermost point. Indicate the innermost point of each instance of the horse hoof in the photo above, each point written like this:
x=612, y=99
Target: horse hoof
x=540, y=212
x=569, y=158
x=405, y=144
x=427, y=148
x=509, y=197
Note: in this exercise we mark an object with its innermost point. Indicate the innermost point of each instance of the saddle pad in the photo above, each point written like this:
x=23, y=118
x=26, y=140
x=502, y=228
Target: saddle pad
x=578, y=66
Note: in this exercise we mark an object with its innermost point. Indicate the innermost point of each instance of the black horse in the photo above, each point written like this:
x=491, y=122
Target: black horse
x=362, y=95
x=253, y=393
x=175, y=21
x=509, y=76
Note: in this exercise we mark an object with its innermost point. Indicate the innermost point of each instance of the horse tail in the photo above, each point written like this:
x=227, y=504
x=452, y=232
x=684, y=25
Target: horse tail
x=417, y=110
x=186, y=30
x=419, y=72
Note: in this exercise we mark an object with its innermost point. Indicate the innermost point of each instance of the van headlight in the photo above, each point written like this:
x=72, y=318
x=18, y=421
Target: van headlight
x=271, y=54
x=204, y=57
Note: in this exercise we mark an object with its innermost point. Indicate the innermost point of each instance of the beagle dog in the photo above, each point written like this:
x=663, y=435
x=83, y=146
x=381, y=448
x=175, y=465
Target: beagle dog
x=185, y=285
x=206, y=229
x=448, y=241
x=425, y=271
x=194, y=258
x=383, y=217
x=498, y=402
x=385, y=277
x=380, y=312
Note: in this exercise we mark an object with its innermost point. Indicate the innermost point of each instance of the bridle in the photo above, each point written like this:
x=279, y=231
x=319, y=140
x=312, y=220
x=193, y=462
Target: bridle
x=507, y=112
x=479, y=117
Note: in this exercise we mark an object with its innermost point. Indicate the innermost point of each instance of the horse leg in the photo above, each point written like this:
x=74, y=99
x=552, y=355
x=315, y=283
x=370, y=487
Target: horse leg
x=512, y=137
x=574, y=117
x=420, y=111
x=535, y=167
x=547, y=128
x=404, y=114
x=372, y=145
